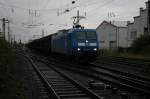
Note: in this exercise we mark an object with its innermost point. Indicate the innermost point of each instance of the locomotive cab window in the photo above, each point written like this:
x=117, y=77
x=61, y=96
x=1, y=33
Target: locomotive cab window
x=91, y=35
x=81, y=35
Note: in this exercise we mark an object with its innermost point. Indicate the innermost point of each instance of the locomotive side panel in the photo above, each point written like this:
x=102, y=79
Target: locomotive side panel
x=59, y=44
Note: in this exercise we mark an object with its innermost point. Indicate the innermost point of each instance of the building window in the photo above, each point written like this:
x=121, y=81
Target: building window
x=145, y=31
x=133, y=35
x=111, y=34
x=112, y=44
x=102, y=44
x=102, y=41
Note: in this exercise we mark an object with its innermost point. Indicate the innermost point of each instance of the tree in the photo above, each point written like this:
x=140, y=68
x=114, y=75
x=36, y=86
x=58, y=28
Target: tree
x=141, y=45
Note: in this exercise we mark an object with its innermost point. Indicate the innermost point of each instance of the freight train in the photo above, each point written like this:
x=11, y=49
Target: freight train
x=72, y=42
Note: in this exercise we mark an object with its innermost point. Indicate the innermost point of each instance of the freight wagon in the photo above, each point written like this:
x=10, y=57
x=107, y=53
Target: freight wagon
x=74, y=42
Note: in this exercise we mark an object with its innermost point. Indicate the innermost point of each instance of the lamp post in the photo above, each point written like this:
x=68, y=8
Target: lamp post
x=3, y=33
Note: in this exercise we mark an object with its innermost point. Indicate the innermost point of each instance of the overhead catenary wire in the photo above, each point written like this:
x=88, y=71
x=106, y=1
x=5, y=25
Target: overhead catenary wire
x=23, y=8
x=5, y=9
x=88, y=4
x=100, y=6
x=46, y=11
x=84, y=3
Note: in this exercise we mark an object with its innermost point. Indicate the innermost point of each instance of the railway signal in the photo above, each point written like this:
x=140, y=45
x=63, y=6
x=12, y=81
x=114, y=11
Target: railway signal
x=3, y=33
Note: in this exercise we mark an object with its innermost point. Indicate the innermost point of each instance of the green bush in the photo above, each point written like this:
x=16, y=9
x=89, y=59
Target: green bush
x=6, y=64
x=9, y=85
x=141, y=45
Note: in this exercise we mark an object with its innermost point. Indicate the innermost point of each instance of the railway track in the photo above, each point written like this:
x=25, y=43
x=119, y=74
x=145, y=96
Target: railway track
x=60, y=85
x=134, y=63
x=128, y=80
x=129, y=75
x=122, y=80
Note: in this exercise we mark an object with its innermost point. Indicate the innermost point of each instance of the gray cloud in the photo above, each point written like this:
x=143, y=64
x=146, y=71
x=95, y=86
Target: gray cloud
x=17, y=11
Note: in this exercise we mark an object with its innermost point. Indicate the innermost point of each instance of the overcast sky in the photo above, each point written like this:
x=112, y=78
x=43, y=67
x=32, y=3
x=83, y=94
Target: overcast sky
x=51, y=16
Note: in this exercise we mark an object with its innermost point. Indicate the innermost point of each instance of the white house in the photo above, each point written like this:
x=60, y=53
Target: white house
x=112, y=34
x=139, y=26
x=148, y=7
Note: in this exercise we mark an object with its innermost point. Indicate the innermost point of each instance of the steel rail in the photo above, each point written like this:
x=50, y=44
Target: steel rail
x=48, y=86
x=86, y=92
x=125, y=81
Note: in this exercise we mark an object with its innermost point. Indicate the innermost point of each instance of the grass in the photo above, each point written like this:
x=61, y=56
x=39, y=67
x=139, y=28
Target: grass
x=115, y=53
x=126, y=54
x=10, y=87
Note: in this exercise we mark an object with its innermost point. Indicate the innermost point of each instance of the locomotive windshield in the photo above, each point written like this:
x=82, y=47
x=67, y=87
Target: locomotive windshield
x=81, y=35
x=86, y=35
x=91, y=35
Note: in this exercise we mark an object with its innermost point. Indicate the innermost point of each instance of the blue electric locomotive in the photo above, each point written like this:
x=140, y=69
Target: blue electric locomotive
x=76, y=42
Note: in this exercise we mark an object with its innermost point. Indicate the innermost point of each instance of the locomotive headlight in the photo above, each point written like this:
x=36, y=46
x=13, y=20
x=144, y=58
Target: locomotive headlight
x=78, y=49
x=95, y=49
